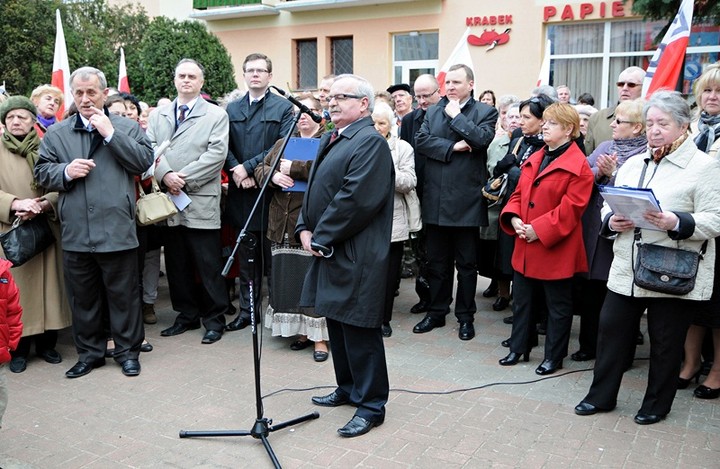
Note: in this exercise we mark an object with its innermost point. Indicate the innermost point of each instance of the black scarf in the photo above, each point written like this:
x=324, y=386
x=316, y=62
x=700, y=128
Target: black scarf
x=709, y=127
x=534, y=143
x=552, y=155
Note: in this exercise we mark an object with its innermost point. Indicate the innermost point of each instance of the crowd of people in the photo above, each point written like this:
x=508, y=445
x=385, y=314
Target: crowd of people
x=501, y=187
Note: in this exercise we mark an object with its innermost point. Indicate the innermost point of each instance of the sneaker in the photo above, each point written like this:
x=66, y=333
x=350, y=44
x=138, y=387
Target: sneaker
x=148, y=312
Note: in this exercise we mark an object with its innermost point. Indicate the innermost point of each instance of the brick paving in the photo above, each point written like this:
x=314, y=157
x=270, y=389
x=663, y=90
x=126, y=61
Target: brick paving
x=106, y=420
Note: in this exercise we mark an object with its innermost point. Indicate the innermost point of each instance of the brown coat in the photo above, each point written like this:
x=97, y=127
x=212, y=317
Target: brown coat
x=40, y=280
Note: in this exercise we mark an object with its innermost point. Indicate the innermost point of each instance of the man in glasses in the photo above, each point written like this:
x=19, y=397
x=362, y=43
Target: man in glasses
x=427, y=93
x=257, y=120
x=629, y=86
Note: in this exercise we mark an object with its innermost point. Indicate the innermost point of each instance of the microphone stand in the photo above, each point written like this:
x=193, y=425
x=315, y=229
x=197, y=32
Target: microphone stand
x=263, y=426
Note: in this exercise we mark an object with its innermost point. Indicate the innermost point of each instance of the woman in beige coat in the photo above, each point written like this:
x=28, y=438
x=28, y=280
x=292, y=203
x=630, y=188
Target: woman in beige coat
x=42, y=292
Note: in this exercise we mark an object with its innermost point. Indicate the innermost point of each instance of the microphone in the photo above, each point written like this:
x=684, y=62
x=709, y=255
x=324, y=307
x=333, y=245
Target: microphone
x=301, y=106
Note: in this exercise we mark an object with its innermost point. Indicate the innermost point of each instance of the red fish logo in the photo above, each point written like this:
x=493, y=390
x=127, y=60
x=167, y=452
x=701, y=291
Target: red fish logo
x=489, y=38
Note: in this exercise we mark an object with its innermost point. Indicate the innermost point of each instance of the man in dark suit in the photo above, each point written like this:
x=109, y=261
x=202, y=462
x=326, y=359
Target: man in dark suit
x=346, y=222
x=454, y=138
x=197, y=133
x=257, y=121
x=91, y=159
x=427, y=93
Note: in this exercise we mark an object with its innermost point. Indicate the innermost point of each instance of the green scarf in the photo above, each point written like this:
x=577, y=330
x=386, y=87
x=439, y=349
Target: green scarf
x=27, y=148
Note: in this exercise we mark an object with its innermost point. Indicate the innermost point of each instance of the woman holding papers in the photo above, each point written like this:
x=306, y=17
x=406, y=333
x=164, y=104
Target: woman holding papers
x=685, y=181
x=628, y=140
x=544, y=216
x=289, y=260
x=707, y=95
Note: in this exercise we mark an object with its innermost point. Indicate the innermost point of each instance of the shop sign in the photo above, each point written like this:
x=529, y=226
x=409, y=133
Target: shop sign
x=582, y=11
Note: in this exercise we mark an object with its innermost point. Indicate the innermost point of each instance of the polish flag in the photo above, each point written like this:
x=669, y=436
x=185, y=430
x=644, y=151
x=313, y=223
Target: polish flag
x=666, y=64
x=123, y=83
x=459, y=55
x=61, y=66
x=544, y=76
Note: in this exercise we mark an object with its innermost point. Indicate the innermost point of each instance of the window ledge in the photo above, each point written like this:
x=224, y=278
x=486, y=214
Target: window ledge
x=245, y=11
x=308, y=5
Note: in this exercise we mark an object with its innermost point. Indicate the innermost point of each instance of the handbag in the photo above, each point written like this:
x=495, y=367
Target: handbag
x=414, y=213
x=26, y=239
x=153, y=207
x=667, y=270
x=496, y=189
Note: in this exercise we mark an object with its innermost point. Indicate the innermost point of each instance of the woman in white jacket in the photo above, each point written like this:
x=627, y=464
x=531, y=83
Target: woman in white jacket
x=405, y=181
x=684, y=180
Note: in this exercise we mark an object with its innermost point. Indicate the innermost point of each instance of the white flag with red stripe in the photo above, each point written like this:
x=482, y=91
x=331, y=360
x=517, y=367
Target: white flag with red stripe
x=544, y=75
x=61, y=66
x=123, y=83
x=459, y=55
x=666, y=64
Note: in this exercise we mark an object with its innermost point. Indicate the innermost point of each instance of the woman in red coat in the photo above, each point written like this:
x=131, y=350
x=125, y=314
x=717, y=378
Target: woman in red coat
x=10, y=326
x=544, y=213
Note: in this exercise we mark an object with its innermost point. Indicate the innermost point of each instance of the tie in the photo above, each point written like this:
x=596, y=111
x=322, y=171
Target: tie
x=183, y=111
x=333, y=136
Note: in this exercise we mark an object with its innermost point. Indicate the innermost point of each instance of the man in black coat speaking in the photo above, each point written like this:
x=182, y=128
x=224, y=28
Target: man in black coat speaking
x=346, y=223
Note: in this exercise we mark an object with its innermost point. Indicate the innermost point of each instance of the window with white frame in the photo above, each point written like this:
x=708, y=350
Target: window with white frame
x=588, y=57
x=414, y=54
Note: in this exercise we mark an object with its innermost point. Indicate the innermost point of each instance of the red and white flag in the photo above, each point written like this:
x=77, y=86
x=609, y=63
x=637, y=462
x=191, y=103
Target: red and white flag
x=459, y=55
x=544, y=75
x=61, y=66
x=666, y=64
x=123, y=83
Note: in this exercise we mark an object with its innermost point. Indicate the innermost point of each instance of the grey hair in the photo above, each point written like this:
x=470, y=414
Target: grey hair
x=382, y=110
x=547, y=90
x=669, y=102
x=363, y=88
x=194, y=62
x=506, y=100
x=84, y=74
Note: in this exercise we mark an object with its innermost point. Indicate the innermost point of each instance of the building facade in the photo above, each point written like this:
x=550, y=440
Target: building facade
x=393, y=41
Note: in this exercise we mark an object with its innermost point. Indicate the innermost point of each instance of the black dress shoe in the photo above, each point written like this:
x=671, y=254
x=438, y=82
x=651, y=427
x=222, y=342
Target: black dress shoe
x=491, y=290
x=83, y=368
x=357, y=426
x=508, y=320
x=581, y=356
x=146, y=347
x=211, y=337
x=238, y=323
x=320, y=355
x=427, y=324
x=386, y=330
x=177, y=329
x=18, y=364
x=301, y=344
x=331, y=400
x=51, y=356
x=131, y=367
x=548, y=367
x=420, y=307
x=585, y=408
x=704, y=392
x=513, y=358
x=466, y=331
x=648, y=419
x=501, y=303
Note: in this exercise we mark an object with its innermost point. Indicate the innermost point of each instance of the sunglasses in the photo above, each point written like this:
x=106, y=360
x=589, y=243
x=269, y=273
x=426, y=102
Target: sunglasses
x=629, y=84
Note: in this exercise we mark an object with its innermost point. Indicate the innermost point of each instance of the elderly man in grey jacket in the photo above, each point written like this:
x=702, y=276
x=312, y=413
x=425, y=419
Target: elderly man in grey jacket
x=91, y=160
x=197, y=132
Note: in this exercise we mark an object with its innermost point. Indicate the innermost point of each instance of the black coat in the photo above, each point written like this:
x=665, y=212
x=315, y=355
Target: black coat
x=349, y=206
x=253, y=132
x=411, y=124
x=454, y=180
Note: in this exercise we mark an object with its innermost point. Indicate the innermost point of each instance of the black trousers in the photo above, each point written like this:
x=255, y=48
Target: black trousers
x=419, y=249
x=393, y=278
x=193, y=260
x=668, y=321
x=360, y=368
x=448, y=247
x=590, y=296
x=44, y=341
x=261, y=265
x=100, y=284
x=558, y=300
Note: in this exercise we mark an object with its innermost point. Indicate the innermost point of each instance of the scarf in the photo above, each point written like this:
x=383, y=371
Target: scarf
x=661, y=152
x=627, y=147
x=709, y=127
x=533, y=142
x=46, y=122
x=552, y=155
x=27, y=148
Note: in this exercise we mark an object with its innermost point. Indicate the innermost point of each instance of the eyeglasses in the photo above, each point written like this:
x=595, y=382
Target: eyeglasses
x=256, y=71
x=629, y=84
x=342, y=97
x=618, y=122
x=426, y=96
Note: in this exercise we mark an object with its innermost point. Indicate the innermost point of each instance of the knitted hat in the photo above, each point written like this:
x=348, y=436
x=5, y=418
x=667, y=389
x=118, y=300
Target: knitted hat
x=16, y=102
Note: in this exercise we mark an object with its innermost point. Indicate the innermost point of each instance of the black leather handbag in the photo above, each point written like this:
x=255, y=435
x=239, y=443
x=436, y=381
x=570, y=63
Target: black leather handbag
x=26, y=239
x=667, y=270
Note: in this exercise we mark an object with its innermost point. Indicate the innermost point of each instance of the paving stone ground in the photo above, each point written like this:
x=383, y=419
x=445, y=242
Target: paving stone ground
x=451, y=406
